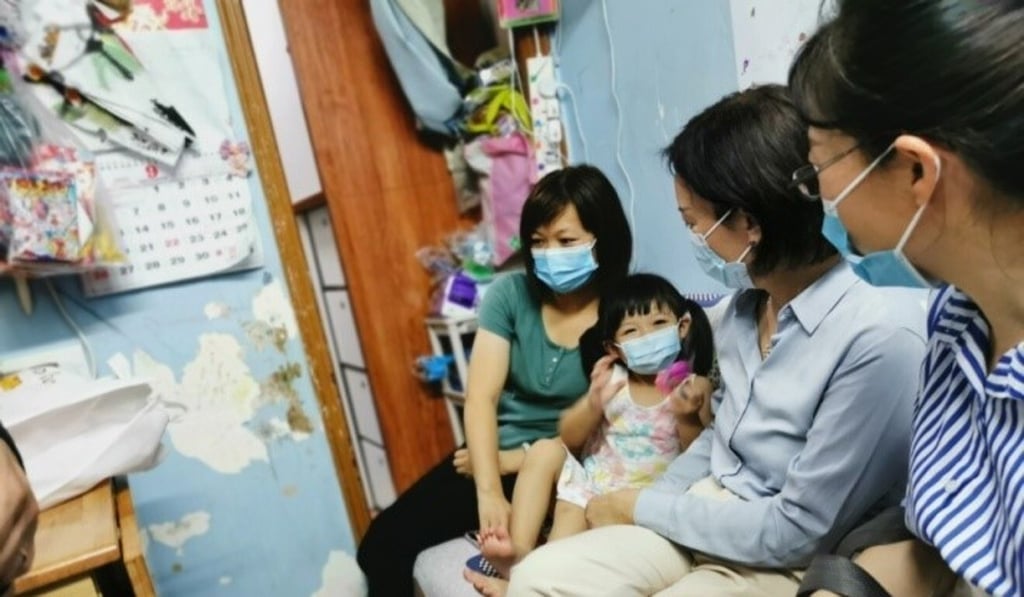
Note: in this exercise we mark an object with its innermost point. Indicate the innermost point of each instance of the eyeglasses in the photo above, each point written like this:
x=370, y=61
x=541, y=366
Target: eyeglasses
x=805, y=178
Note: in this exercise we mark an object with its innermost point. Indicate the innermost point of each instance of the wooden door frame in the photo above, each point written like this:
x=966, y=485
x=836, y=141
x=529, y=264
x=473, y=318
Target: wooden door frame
x=303, y=297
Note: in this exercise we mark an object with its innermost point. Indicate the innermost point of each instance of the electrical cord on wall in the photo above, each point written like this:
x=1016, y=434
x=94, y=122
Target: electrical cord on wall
x=576, y=117
x=563, y=86
x=86, y=347
x=618, y=110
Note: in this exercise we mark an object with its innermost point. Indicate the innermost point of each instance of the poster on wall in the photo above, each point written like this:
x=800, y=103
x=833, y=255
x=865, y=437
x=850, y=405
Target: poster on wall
x=155, y=114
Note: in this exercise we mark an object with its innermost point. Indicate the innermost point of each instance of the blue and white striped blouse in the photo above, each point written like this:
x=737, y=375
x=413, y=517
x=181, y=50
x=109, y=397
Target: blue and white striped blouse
x=966, y=491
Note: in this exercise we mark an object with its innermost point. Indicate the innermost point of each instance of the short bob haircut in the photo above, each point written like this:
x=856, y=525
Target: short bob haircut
x=600, y=211
x=950, y=72
x=740, y=154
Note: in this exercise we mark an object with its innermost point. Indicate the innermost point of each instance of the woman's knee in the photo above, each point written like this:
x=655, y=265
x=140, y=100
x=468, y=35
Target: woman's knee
x=534, y=572
x=391, y=535
x=373, y=548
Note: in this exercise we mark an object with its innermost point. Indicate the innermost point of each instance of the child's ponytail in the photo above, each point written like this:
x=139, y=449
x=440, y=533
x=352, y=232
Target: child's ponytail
x=699, y=345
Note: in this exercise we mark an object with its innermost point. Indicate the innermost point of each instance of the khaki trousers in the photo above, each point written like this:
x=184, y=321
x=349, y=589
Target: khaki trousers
x=628, y=560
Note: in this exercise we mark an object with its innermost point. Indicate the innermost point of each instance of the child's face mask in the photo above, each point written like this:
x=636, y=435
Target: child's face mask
x=652, y=352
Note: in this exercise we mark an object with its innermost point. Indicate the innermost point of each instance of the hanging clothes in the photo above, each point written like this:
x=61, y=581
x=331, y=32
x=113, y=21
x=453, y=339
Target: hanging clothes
x=431, y=79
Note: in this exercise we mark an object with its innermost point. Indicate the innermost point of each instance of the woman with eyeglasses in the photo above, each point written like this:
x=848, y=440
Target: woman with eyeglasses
x=917, y=136
x=818, y=372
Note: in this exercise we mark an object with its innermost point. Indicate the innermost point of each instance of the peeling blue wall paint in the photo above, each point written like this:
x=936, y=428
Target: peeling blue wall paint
x=272, y=526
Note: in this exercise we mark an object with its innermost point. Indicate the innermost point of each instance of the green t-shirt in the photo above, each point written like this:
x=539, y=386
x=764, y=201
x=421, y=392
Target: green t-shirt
x=543, y=378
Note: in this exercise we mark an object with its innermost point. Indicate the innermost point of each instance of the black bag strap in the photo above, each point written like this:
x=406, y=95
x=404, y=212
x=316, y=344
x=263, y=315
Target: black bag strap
x=841, y=576
x=838, y=573
x=885, y=528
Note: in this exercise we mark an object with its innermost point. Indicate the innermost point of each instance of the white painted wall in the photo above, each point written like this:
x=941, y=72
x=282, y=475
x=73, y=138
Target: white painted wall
x=766, y=35
x=282, y=91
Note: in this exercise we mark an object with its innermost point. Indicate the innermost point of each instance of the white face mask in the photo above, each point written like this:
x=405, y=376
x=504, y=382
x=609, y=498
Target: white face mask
x=731, y=274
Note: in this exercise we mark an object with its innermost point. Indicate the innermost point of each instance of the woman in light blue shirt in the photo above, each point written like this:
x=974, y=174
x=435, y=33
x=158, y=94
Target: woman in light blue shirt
x=819, y=370
x=917, y=154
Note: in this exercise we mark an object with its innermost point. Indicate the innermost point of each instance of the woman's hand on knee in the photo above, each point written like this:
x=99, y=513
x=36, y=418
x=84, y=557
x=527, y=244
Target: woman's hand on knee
x=612, y=508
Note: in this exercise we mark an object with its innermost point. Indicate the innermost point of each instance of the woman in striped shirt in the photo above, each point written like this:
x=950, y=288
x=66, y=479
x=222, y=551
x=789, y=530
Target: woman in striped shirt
x=917, y=155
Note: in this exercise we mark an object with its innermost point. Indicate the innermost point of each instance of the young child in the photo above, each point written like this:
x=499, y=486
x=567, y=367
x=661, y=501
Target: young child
x=626, y=431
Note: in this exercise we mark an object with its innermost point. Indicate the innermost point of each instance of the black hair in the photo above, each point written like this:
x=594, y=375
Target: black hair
x=635, y=296
x=740, y=154
x=588, y=190
x=948, y=71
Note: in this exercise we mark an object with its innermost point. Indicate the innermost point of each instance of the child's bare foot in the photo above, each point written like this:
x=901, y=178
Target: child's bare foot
x=486, y=585
x=498, y=549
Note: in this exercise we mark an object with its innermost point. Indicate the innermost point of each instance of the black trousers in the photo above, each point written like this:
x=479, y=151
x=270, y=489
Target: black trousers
x=438, y=507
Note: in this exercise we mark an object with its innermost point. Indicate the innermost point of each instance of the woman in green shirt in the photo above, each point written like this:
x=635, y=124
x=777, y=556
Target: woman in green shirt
x=525, y=369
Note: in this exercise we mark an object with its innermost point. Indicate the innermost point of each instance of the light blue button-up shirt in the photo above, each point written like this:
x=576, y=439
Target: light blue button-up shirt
x=812, y=439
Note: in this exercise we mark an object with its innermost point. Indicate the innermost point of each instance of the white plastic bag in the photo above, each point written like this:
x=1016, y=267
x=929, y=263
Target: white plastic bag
x=73, y=433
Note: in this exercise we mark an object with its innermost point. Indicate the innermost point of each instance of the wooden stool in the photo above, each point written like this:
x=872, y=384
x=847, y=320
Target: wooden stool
x=88, y=543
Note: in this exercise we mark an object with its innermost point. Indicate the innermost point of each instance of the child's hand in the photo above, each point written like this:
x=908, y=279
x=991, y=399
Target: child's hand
x=601, y=387
x=461, y=462
x=689, y=397
x=509, y=461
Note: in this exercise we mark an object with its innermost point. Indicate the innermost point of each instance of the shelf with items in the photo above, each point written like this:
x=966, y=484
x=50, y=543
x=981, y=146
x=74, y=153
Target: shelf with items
x=453, y=336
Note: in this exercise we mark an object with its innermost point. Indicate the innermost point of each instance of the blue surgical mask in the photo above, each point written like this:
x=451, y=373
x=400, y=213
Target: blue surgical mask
x=731, y=274
x=650, y=353
x=881, y=268
x=565, y=269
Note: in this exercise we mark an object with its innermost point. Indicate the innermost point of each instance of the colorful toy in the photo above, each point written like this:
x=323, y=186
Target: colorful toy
x=668, y=379
x=433, y=369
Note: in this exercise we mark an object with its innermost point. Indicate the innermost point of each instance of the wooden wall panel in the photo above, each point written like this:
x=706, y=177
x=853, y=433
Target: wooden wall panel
x=389, y=194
